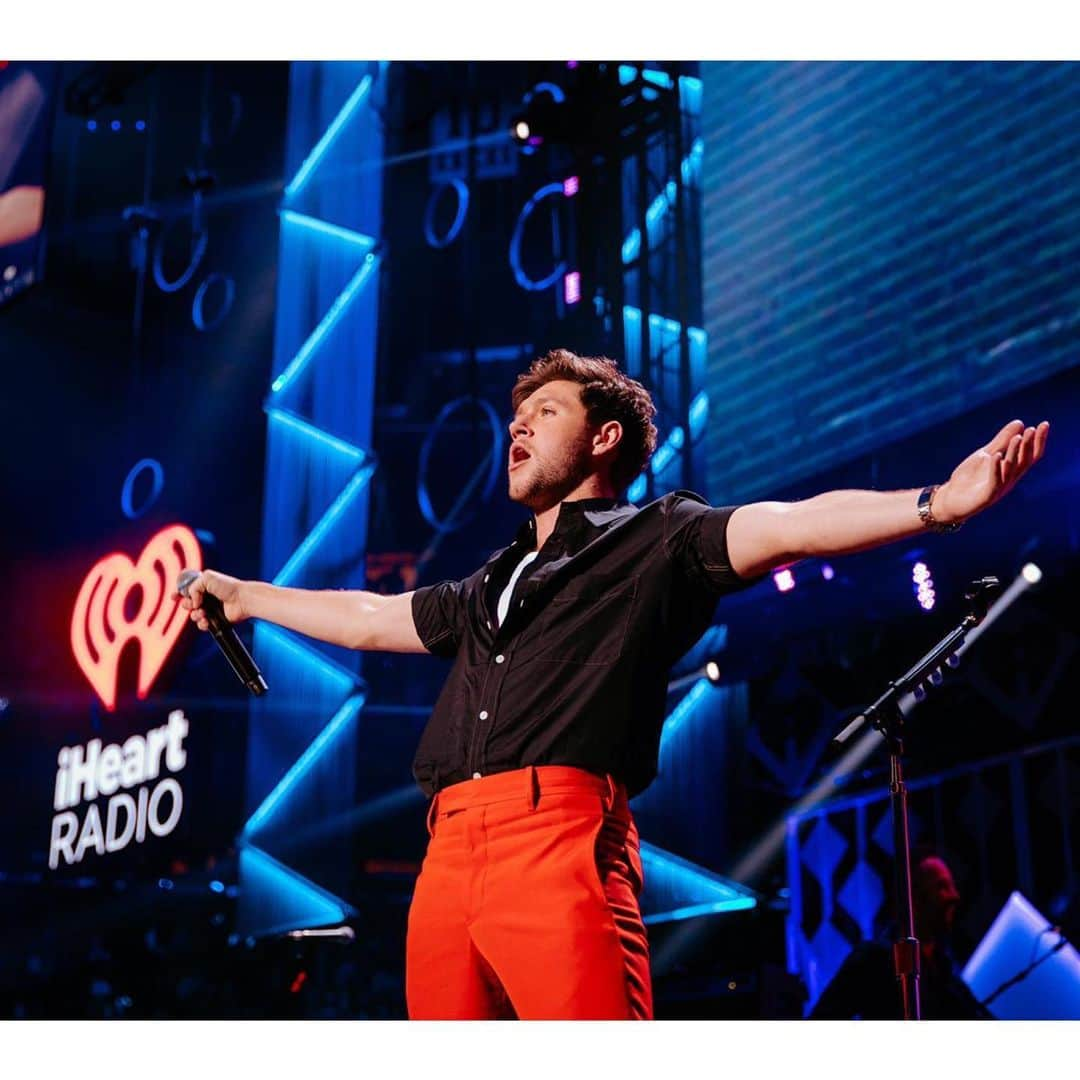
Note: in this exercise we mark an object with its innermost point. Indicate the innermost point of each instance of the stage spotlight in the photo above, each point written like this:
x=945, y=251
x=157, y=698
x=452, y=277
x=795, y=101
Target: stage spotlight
x=712, y=671
x=784, y=580
x=923, y=585
x=1032, y=574
x=522, y=131
x=572, y=287
x=827, y=572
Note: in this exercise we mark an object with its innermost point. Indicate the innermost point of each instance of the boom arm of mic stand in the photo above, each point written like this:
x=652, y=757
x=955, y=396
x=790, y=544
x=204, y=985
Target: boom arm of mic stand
x=907, y=682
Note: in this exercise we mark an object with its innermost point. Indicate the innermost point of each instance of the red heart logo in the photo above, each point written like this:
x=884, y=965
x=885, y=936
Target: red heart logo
x=99, y=626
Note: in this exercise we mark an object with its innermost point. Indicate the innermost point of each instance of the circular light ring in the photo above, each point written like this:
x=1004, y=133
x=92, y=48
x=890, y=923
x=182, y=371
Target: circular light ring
x=523, y=279
x=423, y=496
x=553, y=91
x=198, y=305
x=127, y=491
x=162, y=282
x=462, y=192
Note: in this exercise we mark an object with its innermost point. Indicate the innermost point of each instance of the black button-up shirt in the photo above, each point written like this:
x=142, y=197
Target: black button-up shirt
x=577, y=673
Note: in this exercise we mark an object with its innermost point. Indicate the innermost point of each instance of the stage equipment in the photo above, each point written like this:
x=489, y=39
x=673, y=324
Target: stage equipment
x=1021, y=970
x=225, y=635
x=887, y=716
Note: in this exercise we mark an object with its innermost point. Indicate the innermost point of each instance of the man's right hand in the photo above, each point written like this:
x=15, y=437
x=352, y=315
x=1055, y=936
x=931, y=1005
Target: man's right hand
x=226, y=589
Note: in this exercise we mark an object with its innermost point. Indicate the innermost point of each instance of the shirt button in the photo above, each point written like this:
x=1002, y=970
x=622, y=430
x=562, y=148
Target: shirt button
x=476, y=776
x=500, y=658
x=483, y=715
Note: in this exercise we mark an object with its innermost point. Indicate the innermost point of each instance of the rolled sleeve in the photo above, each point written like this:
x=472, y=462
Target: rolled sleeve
x=695, y=539
x=439, y=616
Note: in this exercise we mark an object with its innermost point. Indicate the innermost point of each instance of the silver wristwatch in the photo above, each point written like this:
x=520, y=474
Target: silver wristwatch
x=926, y=514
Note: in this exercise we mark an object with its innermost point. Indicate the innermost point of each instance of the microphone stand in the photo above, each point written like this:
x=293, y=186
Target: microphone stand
x=887, y=715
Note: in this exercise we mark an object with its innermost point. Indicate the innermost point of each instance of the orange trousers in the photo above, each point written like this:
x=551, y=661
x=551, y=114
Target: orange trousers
x=527, y=902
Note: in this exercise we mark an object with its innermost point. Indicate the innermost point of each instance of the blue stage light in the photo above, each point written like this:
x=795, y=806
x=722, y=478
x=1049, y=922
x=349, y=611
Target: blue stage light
x=329, y=321
x=336, y=232
x=689, y=702
x=303, y=764
x=312, y=540
x=699, y=413
x=302, y=427
x=91, y=125
x=115, y=125
x=520, y=276
x=303, y=901
x=328, y=139
x=268, y=633
x=692, y=889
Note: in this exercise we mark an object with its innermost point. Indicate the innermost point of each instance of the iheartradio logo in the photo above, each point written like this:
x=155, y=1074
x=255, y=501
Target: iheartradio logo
x=101, y=626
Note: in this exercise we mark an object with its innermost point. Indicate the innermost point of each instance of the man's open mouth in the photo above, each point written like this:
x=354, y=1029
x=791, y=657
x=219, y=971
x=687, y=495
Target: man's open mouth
x=518, y=456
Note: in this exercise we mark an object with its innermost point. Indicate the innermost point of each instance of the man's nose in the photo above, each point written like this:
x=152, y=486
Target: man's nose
x=518, y=427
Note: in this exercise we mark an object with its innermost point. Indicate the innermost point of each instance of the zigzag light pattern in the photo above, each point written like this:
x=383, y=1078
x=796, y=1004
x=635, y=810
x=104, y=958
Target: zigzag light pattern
x=282, y=888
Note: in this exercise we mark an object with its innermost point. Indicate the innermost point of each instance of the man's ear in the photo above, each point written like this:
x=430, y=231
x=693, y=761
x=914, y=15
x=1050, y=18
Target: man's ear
x=608, y=436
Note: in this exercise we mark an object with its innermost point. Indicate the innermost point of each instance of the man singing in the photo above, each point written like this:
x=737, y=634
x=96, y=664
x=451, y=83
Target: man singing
x=527, y=900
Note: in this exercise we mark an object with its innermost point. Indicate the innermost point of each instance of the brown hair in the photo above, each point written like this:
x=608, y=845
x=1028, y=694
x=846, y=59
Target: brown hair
x=607, y=394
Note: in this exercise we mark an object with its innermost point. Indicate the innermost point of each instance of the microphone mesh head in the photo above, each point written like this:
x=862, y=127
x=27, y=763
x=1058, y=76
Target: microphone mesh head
x=183, y=582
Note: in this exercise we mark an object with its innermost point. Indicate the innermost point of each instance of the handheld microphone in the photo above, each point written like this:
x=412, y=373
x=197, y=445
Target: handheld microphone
x=225, y=635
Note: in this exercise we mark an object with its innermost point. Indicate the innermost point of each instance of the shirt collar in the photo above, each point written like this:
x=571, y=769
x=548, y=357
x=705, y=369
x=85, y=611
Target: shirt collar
x=576, y=520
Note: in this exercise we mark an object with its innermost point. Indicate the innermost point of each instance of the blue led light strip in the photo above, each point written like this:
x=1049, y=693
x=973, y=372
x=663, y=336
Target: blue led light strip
x=320, y=908
x=663, y=331
x=303, y=764
x=325, y=228
x=325, y=524
x=302, y=427
x=302, y=897
x=711, y=893
x=328, y=139
x=329, y=321
x=659, y=207
x=284, y=640
x=689, y=702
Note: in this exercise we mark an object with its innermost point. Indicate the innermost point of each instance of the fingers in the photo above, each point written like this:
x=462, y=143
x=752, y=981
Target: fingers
x=1042, y=433
x=1023, y=450
x=194, y=596
x=1000, y=442
x=1012, y=452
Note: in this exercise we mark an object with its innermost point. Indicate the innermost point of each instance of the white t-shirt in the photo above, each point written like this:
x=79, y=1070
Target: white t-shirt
x=507, y=594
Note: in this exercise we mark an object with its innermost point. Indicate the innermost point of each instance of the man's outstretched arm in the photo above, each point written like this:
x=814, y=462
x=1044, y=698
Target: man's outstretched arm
x=354, y=619
x=761, y=536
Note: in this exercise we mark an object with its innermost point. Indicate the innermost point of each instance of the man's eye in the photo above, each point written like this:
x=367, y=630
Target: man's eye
x=546, y=409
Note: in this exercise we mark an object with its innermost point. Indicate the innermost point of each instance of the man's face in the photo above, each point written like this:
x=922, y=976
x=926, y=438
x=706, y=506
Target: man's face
x=550, y=447
x=935, y=897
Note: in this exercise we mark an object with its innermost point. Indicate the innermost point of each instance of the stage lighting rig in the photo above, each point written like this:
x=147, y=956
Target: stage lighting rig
x=545, y=116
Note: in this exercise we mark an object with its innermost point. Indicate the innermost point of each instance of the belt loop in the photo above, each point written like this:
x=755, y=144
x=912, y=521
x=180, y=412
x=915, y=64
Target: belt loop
x=532, y=788
x=609, y=798
x=431, y=814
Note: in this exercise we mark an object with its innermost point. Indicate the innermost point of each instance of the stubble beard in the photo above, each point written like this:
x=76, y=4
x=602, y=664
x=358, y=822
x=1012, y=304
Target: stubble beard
x=549, y=481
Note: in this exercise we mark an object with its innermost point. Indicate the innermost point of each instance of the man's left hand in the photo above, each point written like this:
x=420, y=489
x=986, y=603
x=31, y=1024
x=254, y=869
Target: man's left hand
x=992, y=471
